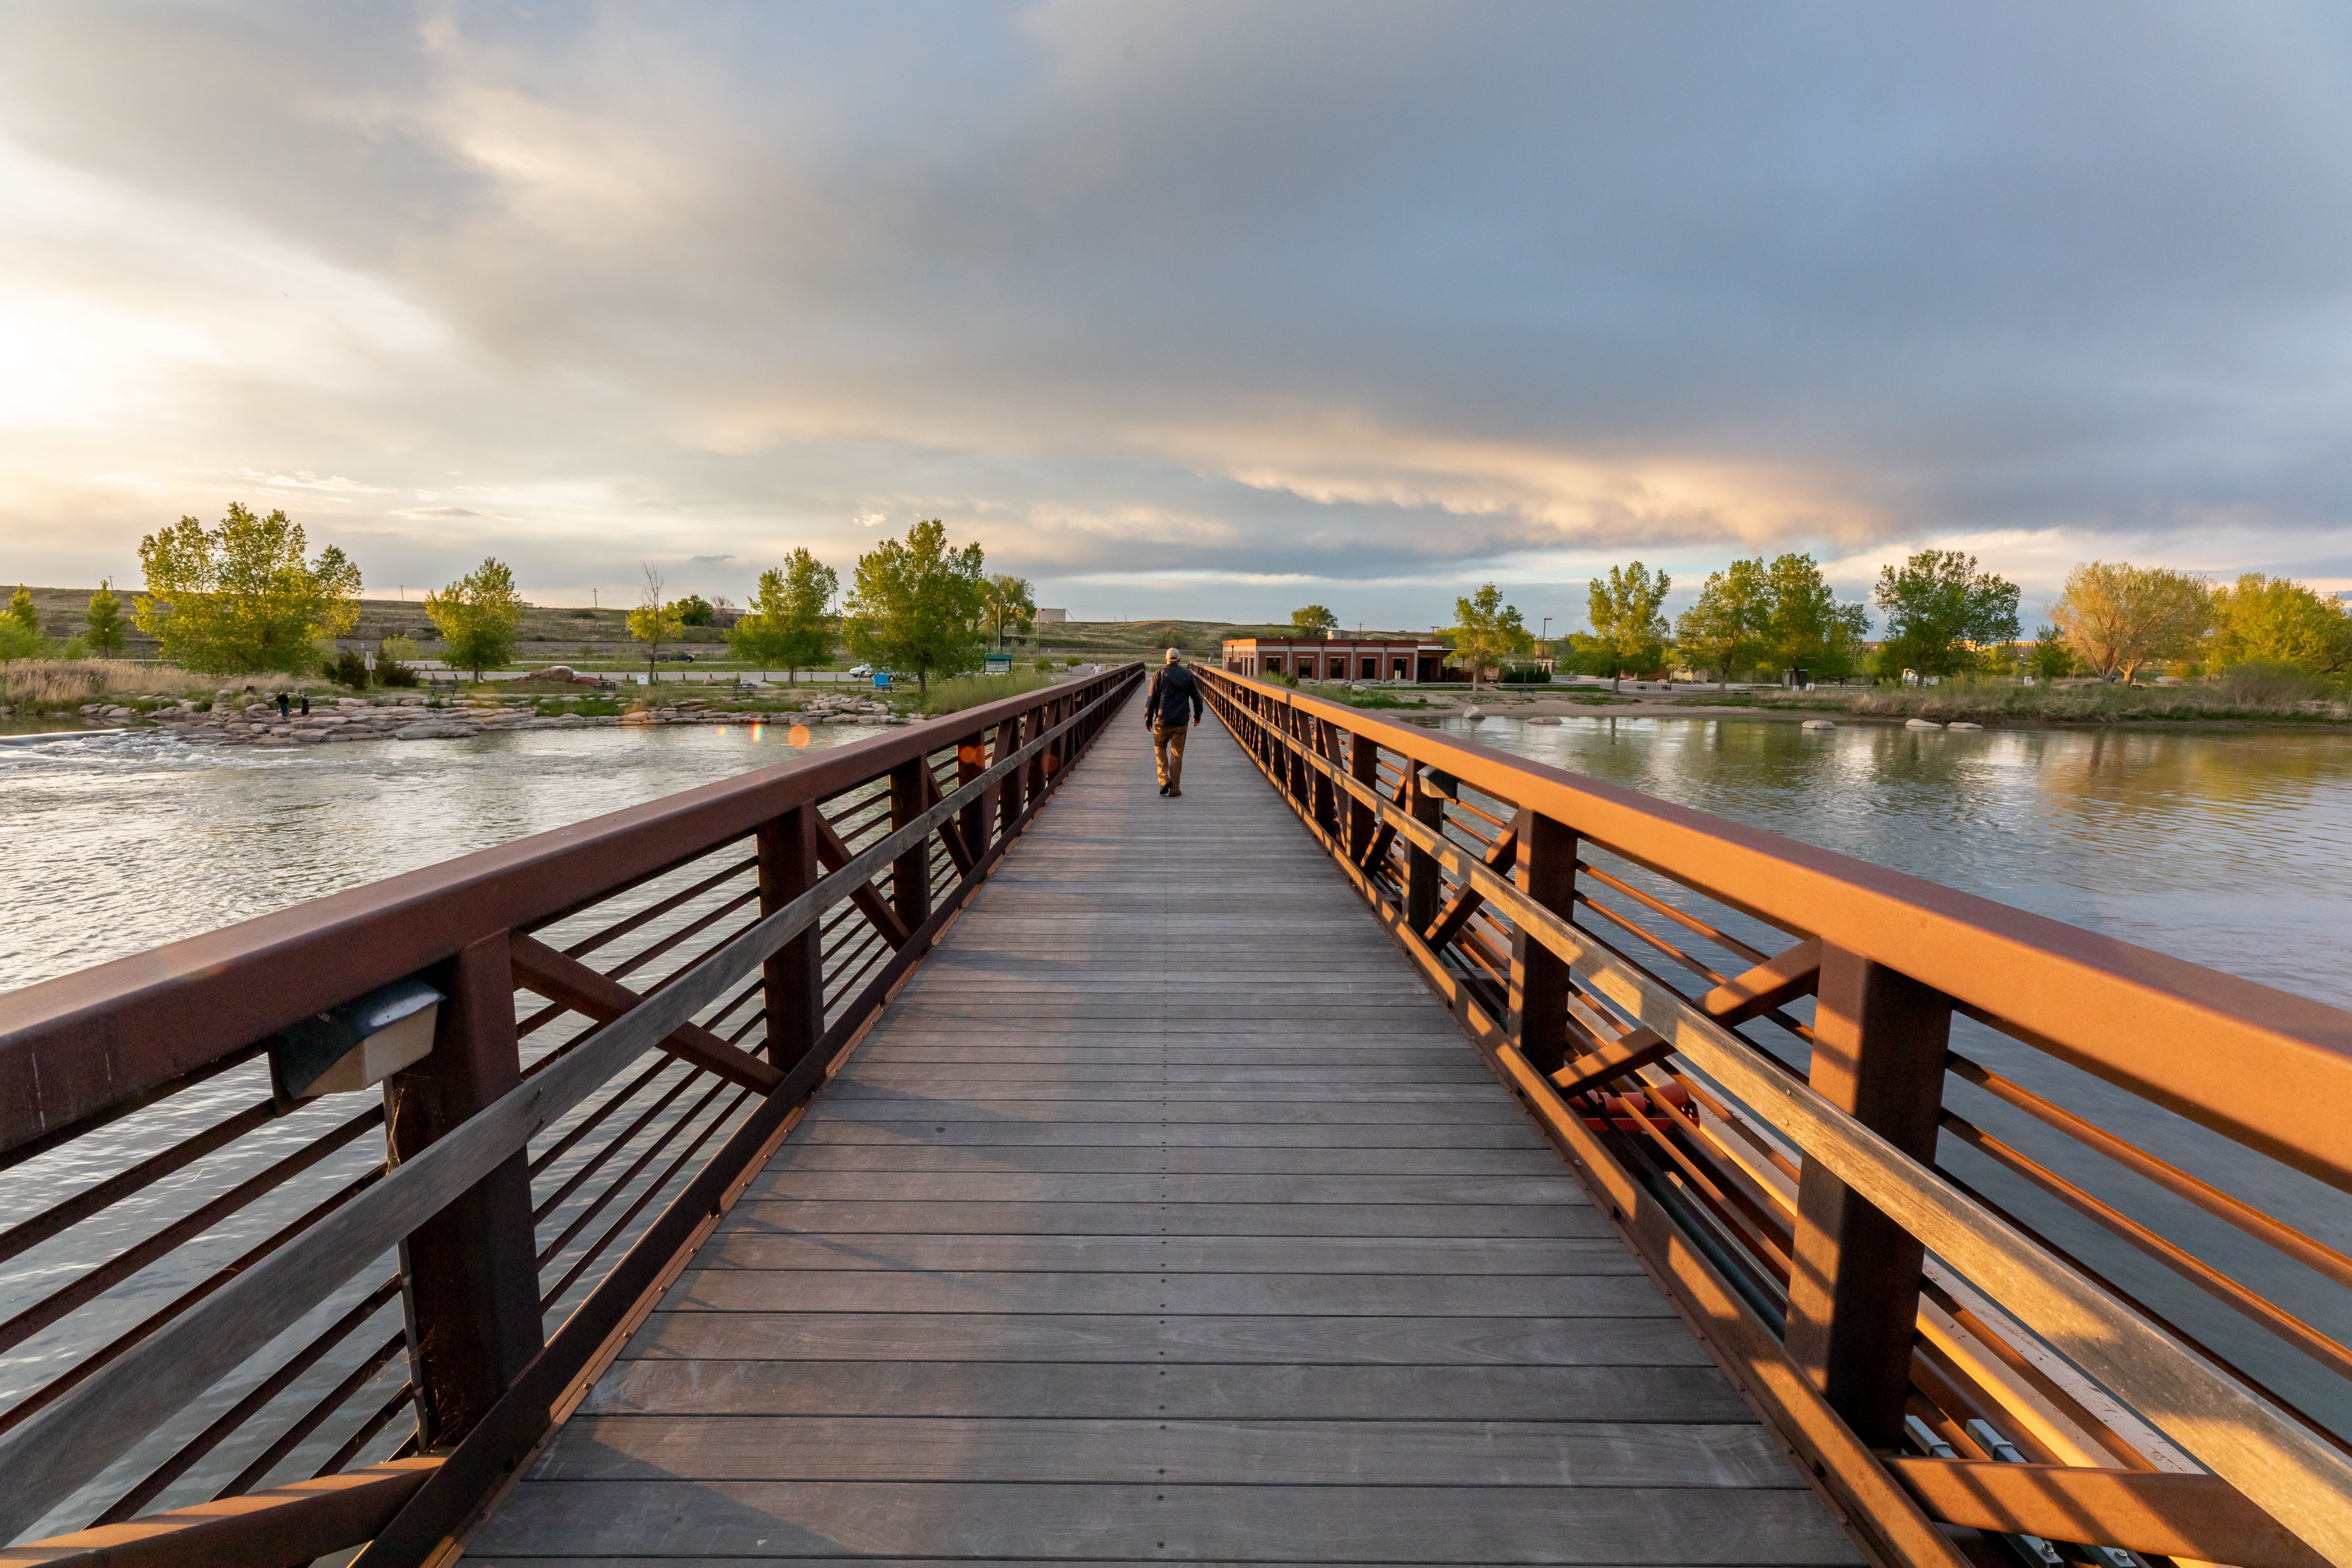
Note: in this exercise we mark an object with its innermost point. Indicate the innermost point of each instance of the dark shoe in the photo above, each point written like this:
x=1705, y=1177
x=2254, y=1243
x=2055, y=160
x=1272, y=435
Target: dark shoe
x=1163, y=789
x=1173, y=790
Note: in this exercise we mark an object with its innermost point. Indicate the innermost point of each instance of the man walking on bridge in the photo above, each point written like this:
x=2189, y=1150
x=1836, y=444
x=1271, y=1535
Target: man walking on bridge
x=1173, y=689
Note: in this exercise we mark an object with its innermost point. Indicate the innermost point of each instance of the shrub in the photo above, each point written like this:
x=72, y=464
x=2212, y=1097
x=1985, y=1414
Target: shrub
x=958, y=692
x=348, y=669
x=1527, y=675
x=2264, y=682
x=391, y=672
x=1045, y=664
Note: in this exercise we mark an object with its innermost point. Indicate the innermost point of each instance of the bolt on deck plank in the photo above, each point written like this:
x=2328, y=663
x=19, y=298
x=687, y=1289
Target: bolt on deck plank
x=1159, y=1220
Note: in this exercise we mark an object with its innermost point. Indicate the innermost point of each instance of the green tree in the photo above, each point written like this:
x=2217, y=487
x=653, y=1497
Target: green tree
x=1809, y=629
x=16, y=642
x=1486, y=631
x=1010, y=601
x=240, y=598
x=917, y=605
x=652, y=623
x=2117, y=616
x=694, y=610
x=479, y=618
x=21, y=610
x=790, y=620
x=2276, y=620
x=1937, y=604
x=2050, y=658
x=1727, y=628
x=104, y=619
x=1629, y=634
x=1314, y=621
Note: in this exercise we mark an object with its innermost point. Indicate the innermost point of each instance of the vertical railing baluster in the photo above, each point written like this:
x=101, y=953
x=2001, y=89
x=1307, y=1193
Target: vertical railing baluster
x=1364, y=767
x=1537, y=1007
x=971, y=761
x=1421, y=881
x=911, y=874
x=469, y=1276
x=792, y=977
x=1878, y=1052
x=1013, y=794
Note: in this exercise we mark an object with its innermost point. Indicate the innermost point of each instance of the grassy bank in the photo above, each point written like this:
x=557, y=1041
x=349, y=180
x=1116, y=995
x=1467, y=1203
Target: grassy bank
x=2278, y=700
x=962, y=692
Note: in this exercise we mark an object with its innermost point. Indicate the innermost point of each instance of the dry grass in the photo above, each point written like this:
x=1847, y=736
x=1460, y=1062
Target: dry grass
x=962, y=692
x=68, y=682
x=2246, y=692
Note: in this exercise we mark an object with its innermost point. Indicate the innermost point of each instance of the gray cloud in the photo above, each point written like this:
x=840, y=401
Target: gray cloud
x=1207, y=303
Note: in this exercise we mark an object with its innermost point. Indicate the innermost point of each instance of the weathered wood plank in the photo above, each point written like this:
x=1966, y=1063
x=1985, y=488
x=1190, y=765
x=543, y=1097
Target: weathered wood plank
x=1164, y=1187
x=1156, y=1158
x=1177, y=1391
x=1630, y=1525
x=1216, y=1295
x=1656, y=1340
x=851, y=1218
x=1194, y=1452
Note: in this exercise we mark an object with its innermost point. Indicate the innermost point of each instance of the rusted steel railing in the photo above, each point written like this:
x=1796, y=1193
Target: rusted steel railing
x=249, y=1323
x=1770, y=1064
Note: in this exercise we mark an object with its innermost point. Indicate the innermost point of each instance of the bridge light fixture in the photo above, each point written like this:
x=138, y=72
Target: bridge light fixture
x=356, y=1045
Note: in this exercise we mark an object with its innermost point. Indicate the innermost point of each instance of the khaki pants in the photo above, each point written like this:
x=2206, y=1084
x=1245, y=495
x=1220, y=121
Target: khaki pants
x=1168, y=751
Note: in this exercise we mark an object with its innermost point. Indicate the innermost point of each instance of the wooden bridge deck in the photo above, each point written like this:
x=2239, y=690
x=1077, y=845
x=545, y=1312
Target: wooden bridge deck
x=1165, y=1215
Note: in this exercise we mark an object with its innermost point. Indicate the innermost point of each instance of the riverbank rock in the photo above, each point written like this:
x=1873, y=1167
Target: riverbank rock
x=1961, y=724
x=1820, y=723
x=1474, y=711
x=1921, y=724
x=436, y=730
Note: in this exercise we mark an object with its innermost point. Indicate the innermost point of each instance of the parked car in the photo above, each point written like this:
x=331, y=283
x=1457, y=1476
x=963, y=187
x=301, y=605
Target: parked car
x=860, y=669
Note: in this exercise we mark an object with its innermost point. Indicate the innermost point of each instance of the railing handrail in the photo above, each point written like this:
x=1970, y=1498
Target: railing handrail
x=2146, y=1021
x=2259, y=1453
x=57, y=1451
x=74, y=1045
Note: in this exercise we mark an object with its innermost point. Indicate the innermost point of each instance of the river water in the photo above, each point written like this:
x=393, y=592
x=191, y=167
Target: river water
x=2232, y=851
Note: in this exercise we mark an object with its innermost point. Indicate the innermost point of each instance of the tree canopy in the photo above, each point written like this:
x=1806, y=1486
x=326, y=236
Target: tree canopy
x=654, y=622
x=479, y=618
x=1808, y=628
x=20, y=628
x=2276, y=620
x=1313, y=621
x=1628, y=632
x=1010, y=601
x=1486, y=631
x=917, y=605
x=240, y=598
x=2116, y=616
x=694, y=610
x=1937, y=604
x=790, y=619
x=103, y=620
x=1725, y=630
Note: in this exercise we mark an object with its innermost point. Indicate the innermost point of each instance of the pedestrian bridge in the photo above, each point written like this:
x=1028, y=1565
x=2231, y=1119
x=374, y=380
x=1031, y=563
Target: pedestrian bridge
x=946, y=1147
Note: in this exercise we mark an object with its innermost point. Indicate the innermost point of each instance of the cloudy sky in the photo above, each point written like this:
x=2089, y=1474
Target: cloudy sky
x=1194, y=309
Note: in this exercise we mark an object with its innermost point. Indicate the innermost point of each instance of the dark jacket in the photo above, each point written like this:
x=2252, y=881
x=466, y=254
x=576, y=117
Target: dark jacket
x=1171, y=690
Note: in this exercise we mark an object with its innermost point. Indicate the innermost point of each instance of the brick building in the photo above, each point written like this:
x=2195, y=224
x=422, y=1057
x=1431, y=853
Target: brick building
x=1338, y=658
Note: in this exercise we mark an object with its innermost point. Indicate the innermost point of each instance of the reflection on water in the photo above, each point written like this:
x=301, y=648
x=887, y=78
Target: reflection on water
x=112, y=845
x=2233, y=851
x=2230, y=850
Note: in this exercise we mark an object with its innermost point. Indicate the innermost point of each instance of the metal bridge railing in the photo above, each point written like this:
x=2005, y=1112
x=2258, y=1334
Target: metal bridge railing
x=294, y=1321
x=1792, y=1080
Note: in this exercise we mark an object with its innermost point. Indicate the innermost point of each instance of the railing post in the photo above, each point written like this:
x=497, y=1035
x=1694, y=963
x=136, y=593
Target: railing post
x=1327, y=802
x=1421, y=881
x=911, y=874
x=1364, y=767
x=971, y=761
x=469, y=1276
x=792, y=977
x=1538, y=1009
x=1879, y=1041
x=1011, y=794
